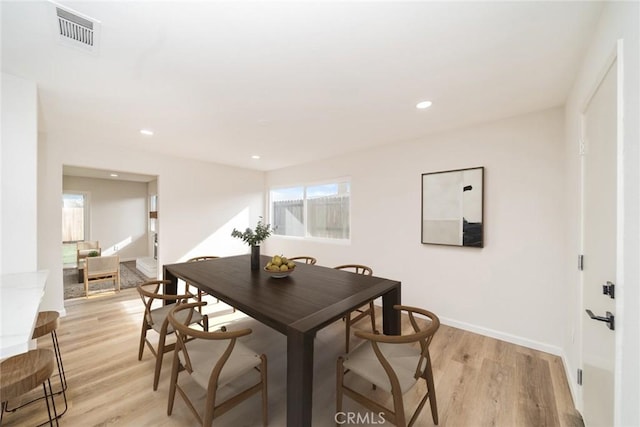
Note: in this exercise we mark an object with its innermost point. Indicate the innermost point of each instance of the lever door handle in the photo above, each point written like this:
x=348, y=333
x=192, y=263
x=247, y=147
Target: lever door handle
x=609, y=319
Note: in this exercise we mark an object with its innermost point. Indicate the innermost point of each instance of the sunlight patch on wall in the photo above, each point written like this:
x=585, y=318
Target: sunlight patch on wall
x=220, y=242
x=117, y=247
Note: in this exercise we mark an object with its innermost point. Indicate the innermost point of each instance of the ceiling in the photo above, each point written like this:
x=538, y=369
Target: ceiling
x=289, y=81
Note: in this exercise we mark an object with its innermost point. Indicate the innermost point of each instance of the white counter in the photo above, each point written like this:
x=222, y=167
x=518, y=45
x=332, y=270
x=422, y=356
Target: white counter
x=20, y=296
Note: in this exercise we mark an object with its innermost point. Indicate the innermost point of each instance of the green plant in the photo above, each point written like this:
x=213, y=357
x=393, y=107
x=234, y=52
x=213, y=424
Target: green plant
x=254, y=237
x=93, y=253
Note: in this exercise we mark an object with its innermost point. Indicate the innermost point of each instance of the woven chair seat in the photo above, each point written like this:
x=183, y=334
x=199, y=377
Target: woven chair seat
x=159, y=315
x=364, y=362
x=205, y=353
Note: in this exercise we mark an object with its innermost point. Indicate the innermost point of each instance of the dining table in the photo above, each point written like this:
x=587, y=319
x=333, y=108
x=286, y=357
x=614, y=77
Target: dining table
x=298, y=305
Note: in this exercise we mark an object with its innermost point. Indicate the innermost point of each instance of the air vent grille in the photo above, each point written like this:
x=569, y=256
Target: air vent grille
x=75, y=27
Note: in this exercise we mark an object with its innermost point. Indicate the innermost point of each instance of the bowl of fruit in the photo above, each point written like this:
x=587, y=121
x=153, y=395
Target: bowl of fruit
x=279, y=267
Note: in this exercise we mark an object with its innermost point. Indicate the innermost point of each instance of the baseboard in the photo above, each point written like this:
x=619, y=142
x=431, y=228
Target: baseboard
x=513, y=339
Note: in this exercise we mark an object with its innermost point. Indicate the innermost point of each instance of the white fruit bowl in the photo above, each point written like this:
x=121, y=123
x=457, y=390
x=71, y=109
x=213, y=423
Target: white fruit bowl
x=279, y=274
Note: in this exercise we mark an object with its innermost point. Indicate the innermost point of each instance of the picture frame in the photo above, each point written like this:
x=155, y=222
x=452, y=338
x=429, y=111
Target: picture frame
x=452, y=211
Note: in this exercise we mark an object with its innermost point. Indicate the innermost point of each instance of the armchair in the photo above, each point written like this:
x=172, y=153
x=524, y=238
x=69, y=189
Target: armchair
x=85, y=248
x=101, y=269
x=395, y=364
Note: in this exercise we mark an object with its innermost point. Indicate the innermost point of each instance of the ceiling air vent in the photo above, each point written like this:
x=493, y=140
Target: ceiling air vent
x=75, y=29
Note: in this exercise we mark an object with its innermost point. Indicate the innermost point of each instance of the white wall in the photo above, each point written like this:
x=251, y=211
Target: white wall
x=19, y=224
x=512, y=288
x=199, y=203
x=620, y=20
x=117, y=214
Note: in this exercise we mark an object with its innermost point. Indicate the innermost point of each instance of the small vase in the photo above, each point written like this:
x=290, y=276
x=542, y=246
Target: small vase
x=255, y=257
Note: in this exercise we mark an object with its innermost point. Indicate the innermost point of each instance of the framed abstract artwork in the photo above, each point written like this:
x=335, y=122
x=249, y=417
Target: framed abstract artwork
x=453, y=207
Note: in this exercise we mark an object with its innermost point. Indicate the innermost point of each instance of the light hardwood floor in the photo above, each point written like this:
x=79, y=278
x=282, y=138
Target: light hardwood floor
x=479, y=381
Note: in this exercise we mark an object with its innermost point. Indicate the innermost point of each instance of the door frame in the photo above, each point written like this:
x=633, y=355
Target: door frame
x=615, y=55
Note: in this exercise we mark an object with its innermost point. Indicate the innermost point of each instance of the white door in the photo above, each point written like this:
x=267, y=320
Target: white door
x=599, y=250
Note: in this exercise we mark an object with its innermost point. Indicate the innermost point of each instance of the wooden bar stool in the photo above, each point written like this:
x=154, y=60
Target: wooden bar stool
x=21, y=373
x=47, y=323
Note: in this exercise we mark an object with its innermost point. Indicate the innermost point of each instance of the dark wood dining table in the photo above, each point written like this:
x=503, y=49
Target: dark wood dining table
x=299, y=305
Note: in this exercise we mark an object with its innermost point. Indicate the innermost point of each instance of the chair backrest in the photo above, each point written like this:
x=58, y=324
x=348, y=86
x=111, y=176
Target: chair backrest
x=150, y=291
x=85, y=248
x=184, y=333
x=202, y=258
x=356, y=268
x=88, y=244
x=307, y=259
x=102, y=264
x=423, y=335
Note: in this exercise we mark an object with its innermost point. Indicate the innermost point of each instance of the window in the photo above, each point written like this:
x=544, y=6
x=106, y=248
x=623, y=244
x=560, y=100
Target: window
x=319, y=210
x=75, y=223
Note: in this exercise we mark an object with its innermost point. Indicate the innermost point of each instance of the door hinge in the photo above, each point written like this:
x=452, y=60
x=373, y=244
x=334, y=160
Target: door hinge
x=581, y=262
x=579, y=377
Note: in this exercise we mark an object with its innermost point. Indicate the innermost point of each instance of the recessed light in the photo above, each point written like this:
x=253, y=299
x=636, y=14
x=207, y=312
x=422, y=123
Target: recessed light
x=423, y=104
x=255, y=157
x=146, y=132
x=114, y=175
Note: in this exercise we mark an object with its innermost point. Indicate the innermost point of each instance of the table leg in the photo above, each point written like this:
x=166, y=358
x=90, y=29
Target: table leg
x=390, y=317
x=170, y=288
x=299, y=378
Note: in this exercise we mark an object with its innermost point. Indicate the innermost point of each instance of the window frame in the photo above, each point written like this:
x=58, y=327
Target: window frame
x=305, y=185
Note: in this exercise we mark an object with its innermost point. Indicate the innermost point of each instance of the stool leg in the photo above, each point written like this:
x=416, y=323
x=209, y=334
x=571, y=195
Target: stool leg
x=53, y=404
x=46, y=397
x=63, y=377
x=56, y=348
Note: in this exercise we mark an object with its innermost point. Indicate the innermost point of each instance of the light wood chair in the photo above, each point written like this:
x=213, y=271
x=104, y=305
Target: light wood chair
x=85, y=248
x=102, y=269
x=307, y=259
x=156, y=318
x=394, y=363
x=362, y=312
x=214, y=360
x=23, y=372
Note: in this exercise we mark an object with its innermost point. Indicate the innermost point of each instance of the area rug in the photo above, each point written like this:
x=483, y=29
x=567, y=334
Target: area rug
x=130, y=277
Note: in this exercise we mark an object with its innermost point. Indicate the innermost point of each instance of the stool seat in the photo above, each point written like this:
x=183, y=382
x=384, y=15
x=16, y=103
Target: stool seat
x=47, y=322
x=24, y=372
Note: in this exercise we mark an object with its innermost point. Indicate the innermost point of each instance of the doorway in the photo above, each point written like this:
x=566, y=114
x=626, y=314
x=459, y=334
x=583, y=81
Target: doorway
x=116, y=212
